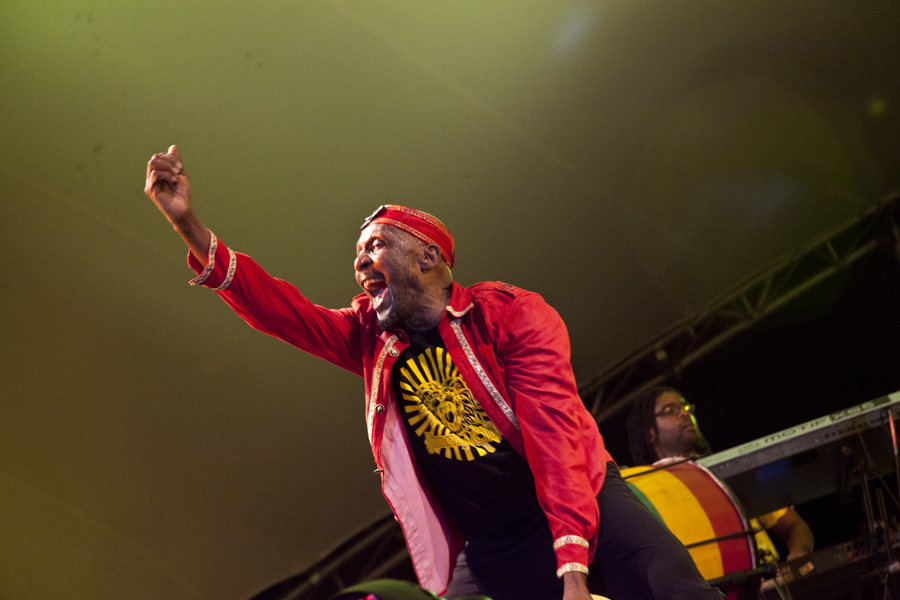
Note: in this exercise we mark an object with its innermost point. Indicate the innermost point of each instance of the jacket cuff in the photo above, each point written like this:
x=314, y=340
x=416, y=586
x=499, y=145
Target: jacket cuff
x=572, y=566
x=572, y=554
x=220, y=267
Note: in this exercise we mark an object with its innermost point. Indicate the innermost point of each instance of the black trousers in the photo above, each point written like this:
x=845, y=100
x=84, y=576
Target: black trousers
x=637, y=558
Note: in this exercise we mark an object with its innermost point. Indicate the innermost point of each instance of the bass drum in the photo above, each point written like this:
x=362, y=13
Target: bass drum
x=701, y=511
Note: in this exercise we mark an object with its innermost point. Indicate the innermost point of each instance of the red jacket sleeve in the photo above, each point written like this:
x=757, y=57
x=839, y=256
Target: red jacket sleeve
x=561, y=439
x=277, y=308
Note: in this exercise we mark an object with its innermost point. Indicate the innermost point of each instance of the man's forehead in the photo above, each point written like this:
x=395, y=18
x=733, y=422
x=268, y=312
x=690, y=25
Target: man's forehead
x=669, y=398
x=384, y=231
x=376, y=230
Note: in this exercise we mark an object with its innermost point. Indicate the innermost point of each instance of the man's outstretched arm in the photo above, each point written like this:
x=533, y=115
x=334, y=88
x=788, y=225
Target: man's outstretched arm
x=170, y=189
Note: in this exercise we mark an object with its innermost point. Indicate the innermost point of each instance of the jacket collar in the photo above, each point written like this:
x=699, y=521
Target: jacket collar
x=460, y=301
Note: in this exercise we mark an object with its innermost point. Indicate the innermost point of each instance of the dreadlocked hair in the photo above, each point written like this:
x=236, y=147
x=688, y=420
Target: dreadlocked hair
x=642, y=420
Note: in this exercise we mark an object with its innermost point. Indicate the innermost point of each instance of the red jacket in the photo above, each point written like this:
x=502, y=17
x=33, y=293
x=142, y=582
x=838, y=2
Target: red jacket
x=510, y=347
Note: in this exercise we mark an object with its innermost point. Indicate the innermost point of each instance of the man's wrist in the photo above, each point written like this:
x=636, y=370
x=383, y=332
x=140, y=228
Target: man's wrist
x=575, y=578
x=195, y=235
x=575, y=581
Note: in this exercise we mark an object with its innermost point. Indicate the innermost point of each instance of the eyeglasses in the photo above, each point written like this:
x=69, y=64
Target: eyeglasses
x=671, y=410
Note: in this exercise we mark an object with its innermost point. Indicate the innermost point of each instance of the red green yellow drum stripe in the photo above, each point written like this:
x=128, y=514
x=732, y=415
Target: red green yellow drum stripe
x=697, y=507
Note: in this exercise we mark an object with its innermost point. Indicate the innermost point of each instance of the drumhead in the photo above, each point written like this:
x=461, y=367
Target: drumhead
x=701, y=511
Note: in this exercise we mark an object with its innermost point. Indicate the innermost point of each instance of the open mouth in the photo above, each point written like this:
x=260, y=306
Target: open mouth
x=377, y=289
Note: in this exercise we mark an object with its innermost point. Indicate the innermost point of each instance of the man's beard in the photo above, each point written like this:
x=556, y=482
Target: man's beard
x=393, y=320
x=406, y=294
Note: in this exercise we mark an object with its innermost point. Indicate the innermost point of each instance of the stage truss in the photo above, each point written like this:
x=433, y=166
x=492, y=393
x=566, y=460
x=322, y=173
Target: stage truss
x=616, y=386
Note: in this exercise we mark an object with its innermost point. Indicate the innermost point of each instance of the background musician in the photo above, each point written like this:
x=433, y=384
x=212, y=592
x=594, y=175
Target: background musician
x=662, y=424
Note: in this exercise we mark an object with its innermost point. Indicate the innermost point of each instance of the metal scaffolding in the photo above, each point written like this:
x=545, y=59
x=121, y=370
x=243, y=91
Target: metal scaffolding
x=376, y=552
x=739, y=309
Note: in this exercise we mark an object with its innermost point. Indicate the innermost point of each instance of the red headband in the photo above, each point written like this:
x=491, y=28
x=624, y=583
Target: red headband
x=415, y=222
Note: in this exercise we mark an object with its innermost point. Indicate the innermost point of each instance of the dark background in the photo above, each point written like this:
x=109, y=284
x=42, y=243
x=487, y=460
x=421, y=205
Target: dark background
x=836, y=346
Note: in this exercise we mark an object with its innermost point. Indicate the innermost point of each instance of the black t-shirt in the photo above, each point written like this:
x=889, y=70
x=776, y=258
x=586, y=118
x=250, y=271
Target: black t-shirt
x=483, y=484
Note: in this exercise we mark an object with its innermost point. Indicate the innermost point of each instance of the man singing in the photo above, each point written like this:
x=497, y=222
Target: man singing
x=489, y=460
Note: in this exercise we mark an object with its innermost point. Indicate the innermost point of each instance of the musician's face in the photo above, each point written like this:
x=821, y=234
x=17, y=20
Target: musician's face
x=675, y=434
x=387, y=270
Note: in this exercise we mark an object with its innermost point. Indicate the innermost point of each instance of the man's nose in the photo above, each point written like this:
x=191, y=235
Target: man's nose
x=362, y=261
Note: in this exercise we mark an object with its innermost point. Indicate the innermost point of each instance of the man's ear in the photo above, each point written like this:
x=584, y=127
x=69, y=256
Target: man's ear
x=429, y=257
